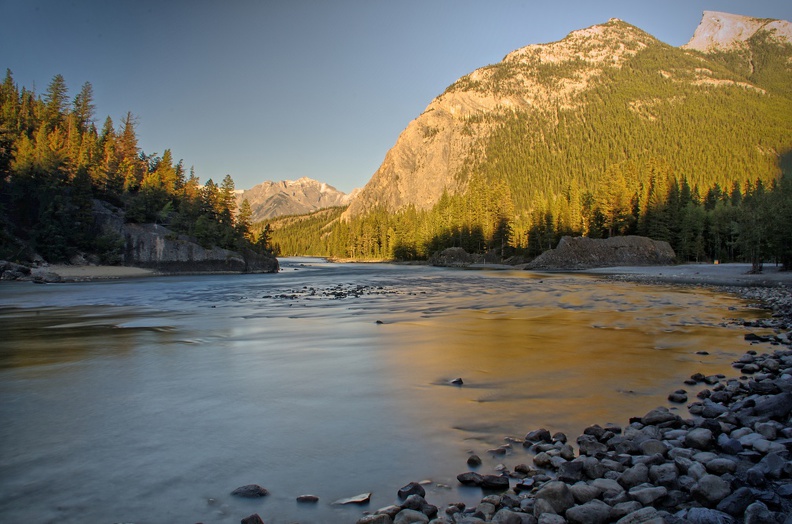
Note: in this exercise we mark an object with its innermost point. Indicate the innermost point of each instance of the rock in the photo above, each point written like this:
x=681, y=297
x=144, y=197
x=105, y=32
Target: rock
x=418, y=503
x=413, y=488
x=539, y=435
x=678, y=397
x=484, y=511
x=721, y=466
x=772, y=465
x=624, y=508
x=705, y=516
x=729, y=445
x=774, y=407
x=590, y=446
x=638, y=474
x=250, y=491
x=507, y=516
x=583, y=253
x=658, y=416
x=710, y=490
x=736, y=503
x=664, y=474
x=543, y=460
x=410, y=516
x=699, y=438
x=474, y=461
x=609, y=487
x=638, y=517
x=653, y=446
x=647, y=494
x=363, y=498
x=583, y=492
x=594, y=512
x=495, y=482
x=252, y=519
x=557, y=494
x=551, y=518
x=757, y=513
x=571, y=471
x=470, y=478
x=308, y=499
x=377, y=518
x=457, y=382
x=454, y=257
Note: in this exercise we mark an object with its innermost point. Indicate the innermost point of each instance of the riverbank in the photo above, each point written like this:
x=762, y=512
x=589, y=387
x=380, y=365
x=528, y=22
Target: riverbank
x=729, y=462
x=69, y=273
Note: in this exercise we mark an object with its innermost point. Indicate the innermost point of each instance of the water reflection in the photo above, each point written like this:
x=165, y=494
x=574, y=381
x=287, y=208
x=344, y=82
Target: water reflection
x=150, y=400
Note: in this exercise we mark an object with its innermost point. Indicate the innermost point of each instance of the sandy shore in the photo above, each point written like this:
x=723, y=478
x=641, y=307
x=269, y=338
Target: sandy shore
x=79, y=273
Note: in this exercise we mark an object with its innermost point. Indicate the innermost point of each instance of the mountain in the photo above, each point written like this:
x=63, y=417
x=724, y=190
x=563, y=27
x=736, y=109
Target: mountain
x=559, y=117
x=727, y=32
x=290, y=197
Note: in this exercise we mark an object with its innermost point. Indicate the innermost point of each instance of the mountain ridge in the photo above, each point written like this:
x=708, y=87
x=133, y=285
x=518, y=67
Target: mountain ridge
x=544, y=84
x=291, y=197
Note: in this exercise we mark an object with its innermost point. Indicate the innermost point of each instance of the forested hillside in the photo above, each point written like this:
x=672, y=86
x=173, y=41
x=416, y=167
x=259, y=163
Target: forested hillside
x=55, y=162
x=675, y=144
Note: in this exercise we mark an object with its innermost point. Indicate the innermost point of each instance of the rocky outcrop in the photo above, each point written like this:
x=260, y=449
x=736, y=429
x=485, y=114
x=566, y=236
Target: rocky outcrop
x=726, y=32
x=157, y=247
x=291, y=197
x=586, y=253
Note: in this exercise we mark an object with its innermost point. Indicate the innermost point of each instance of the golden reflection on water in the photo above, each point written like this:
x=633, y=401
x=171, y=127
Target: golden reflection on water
x=551, y=362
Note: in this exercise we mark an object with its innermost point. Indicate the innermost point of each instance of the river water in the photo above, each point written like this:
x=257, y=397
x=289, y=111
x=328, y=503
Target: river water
x=150, y=400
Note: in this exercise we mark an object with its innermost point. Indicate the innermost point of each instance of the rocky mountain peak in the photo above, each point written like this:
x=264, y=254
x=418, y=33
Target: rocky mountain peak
x=609, y=43
x=725, y=32
x=291, y=197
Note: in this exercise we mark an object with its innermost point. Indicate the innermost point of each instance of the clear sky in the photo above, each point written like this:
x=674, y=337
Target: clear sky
x=275, y=90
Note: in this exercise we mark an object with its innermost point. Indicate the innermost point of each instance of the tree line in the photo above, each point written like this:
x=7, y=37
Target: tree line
x=55, y=163
x=744, y=222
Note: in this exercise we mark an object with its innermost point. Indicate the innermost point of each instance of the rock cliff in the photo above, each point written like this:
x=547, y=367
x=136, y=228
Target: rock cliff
x=585, y=253
x=727, y=32
x=155, y=246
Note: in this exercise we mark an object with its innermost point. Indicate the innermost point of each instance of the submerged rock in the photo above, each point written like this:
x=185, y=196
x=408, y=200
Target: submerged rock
x=250, y=491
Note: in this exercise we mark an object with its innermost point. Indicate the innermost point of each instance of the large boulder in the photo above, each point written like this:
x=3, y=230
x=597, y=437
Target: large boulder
x=455, y=257
x=585, y=253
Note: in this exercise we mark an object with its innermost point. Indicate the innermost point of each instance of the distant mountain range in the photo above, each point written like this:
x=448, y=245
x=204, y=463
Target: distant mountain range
x=291, y=197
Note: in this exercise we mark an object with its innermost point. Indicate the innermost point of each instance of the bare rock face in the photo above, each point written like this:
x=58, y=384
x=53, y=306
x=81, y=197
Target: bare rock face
x=157, y=247
x=726, y=32
x=585, y=253
x=291, y=197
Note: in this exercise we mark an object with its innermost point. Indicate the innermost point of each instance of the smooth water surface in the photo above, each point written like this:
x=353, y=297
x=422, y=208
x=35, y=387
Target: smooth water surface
x=150, y=400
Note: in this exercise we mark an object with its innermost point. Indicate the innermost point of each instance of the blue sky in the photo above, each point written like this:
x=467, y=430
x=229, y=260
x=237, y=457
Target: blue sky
x=274, y=90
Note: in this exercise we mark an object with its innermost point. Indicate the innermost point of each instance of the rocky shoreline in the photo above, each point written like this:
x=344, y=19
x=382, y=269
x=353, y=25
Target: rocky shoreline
x=729, y=462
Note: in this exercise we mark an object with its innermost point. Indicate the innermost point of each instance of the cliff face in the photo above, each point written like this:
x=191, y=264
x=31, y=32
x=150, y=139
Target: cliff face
x=290, y=197
x=156, y=247
x=727, y=32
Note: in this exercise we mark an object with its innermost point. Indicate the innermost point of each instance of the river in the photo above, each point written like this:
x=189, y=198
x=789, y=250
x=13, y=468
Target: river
x=149, y=400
